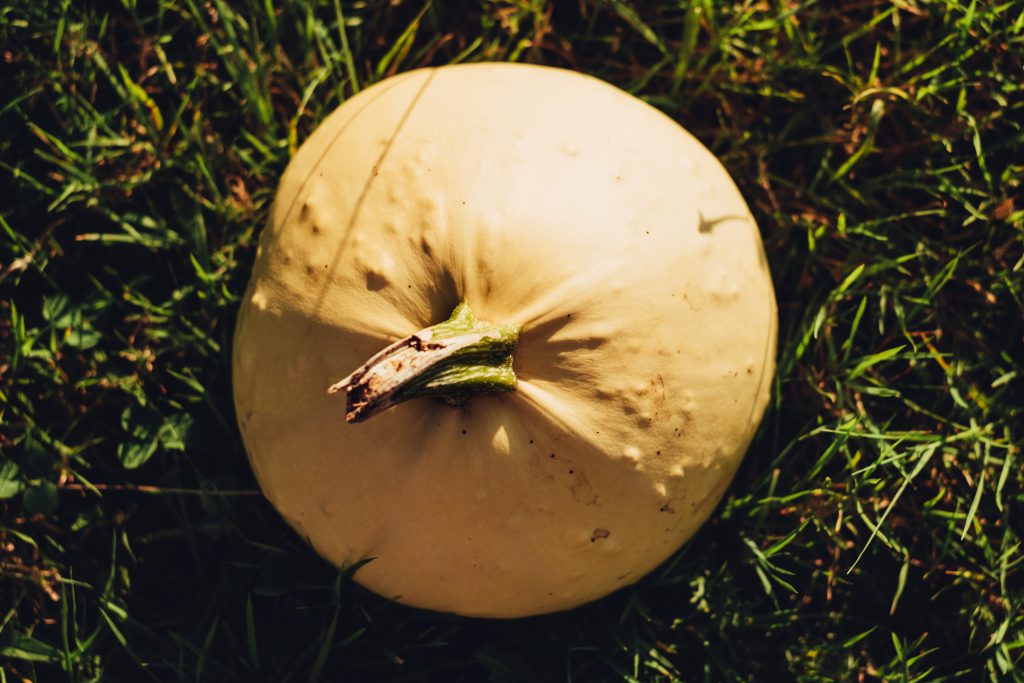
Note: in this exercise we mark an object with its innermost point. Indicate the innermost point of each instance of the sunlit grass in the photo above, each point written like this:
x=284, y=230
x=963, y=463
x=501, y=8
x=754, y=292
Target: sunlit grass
x=874, y=531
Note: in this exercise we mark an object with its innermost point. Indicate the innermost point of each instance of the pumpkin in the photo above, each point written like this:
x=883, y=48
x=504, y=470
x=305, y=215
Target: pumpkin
x=586, y=407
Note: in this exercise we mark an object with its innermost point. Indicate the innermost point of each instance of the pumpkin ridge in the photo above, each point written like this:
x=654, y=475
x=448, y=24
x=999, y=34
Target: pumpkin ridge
x=341, y=131
x=357, y=208
x=549, y=406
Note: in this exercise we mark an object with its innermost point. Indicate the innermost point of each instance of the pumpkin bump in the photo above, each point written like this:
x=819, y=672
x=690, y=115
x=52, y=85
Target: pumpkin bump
x=628, y=275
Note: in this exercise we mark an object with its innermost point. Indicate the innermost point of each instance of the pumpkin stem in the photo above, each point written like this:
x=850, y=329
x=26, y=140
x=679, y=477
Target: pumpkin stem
x=453, y=360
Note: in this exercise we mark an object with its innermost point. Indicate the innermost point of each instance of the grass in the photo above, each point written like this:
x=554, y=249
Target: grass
x=874, y=531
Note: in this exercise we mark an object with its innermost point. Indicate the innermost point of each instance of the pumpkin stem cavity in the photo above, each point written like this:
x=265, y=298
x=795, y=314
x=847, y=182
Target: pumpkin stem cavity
x=453, y=360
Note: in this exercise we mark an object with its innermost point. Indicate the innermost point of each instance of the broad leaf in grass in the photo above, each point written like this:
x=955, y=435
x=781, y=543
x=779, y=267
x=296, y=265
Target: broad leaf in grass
x=173, y=433
x=41, y=497
x=10, y=480
x=73, y=324
x=134, y=454
x=141, y=438
x=17, y=645
x=146, y=433
x=37, y=460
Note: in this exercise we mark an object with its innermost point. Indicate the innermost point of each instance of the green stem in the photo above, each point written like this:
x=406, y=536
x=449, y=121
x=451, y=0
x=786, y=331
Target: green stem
x=452, y=360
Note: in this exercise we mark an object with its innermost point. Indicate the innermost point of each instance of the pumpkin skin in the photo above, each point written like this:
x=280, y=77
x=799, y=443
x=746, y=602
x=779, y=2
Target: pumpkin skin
x=546, y=199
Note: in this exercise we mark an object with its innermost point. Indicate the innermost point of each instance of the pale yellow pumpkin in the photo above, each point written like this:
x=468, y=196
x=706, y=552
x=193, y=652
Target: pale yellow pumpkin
x=548, y=200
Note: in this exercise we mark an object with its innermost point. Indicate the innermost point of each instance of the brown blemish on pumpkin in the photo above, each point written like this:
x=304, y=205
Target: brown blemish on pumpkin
x=659, y=383
x=599, y=533
x=582, y=491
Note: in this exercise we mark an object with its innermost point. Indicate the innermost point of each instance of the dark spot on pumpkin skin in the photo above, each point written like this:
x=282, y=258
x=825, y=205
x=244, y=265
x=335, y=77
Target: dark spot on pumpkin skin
x=599, y=533
x=375, y=281
x=572, y=471
x=463, y=431
x=304, y=213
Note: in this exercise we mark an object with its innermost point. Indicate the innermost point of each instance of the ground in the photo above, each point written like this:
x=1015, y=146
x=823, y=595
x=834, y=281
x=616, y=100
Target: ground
x=874, y=531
